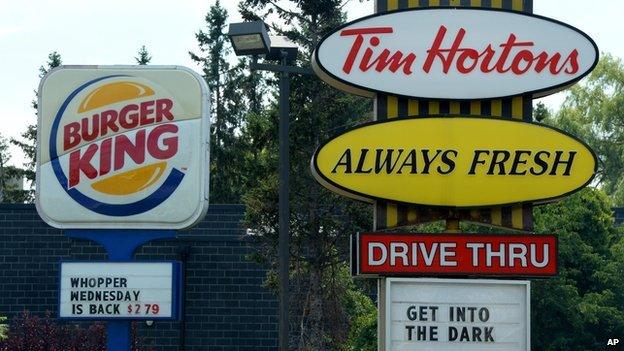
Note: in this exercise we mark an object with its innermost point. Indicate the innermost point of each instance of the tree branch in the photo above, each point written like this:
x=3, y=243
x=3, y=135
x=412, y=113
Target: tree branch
x=290, y=13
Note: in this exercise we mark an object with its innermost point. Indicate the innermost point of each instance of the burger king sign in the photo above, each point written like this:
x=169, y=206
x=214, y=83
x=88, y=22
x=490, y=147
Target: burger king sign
x=122, y=147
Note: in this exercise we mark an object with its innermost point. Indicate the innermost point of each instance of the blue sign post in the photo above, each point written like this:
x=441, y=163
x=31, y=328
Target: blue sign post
x=120, y=245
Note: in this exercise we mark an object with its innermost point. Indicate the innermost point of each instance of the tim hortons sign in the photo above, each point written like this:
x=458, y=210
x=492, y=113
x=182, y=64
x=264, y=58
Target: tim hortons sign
x=454, y=162
x=122, y=147
x=454, y=53
x=385, y=254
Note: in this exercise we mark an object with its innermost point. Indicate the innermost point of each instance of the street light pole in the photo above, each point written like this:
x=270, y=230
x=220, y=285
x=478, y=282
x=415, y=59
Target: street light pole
x=284, y=71
x=284, y=206
x=251, y=38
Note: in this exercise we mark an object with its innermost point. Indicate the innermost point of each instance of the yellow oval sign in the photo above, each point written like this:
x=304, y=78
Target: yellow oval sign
x=458, y=162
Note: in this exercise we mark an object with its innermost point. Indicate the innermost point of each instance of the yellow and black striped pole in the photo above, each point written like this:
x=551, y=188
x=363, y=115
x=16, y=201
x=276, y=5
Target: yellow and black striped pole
x=392, y=215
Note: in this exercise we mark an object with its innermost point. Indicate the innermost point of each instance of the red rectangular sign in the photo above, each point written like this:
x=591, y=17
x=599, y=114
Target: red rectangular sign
x=454, y=254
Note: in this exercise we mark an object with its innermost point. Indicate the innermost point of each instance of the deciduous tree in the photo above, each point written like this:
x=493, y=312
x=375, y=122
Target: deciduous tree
x=584, y=305
x=594, y=111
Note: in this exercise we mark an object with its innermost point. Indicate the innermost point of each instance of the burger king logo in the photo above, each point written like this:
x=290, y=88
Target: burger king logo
x=116, y=145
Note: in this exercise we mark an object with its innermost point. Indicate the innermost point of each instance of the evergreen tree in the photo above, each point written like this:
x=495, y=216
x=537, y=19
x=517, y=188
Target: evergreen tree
x=321, y=221
x=144, y=57
x=28, y=141
x=229, y=105
x=10, y=176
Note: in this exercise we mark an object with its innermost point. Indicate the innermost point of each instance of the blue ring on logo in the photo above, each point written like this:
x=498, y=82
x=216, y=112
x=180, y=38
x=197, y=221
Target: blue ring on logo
x=156, y=198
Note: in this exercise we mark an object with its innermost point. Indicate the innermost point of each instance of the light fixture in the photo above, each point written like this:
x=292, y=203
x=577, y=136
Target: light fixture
x=249, y=38
x=282, y=48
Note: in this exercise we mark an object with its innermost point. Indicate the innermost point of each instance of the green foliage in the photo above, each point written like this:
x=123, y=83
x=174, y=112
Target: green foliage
x=144, y=57
x=363, y=315
x=28, y=139
x=235, y=98
x=541, y=112
x=54, y=60
x=10, y=177
x=363, y=333
x=594, y=111
x=584, y=305
x=321, y=221
x=3, y=328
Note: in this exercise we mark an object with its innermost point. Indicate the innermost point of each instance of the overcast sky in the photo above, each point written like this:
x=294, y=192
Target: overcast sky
x=111, y=32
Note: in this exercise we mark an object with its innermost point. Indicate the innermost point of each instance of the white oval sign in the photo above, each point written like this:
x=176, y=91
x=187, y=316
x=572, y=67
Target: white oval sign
x=454, y=53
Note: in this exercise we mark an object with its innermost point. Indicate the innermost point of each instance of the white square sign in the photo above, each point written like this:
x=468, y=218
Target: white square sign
x=119, y=290
x=122, y=147
x=453, y=315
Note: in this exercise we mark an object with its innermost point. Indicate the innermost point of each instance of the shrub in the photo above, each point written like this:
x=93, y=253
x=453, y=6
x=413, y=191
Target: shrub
x=34, y=333
x=3, y=328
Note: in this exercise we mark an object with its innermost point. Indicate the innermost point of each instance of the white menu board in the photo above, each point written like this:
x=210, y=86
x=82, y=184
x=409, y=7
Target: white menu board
x=119, y=290
x=454, y=314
